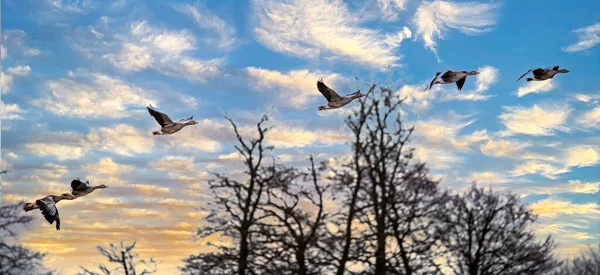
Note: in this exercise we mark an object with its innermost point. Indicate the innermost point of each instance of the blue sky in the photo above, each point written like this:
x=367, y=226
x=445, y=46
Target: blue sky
x=76, y=76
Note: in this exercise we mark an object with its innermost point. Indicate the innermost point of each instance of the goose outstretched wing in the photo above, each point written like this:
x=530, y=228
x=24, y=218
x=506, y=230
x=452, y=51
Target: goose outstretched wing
x=525, y=74
x=327, y=92
x=437, y=75
x=161, y=118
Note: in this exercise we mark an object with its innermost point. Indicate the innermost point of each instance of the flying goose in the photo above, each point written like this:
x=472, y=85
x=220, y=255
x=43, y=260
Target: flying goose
x=540, y=74
x=47, y=206
x=81, y=189
x=167, y=125
x=448, y=77
x=335, y=100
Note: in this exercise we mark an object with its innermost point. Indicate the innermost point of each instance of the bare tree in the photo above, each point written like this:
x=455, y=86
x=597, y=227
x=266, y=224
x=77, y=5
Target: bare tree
x=15, y=258
x=386, y=192
x=236, y=212
x=294, y=222
x=124, y=259
x=489, y=233
x=587, y=263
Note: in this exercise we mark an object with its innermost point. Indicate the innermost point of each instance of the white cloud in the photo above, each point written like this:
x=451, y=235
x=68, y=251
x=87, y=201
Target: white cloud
x=390, y=8
x=7, y=79
x=14, y=43
x=537, y=120
x=120, y=139
x=573, y=186
x=19, y=70
x=536, y=87
x=315, y=28
x=106, y=166
x=486, y=178
x=296, y=88
x=591, y=118
x=417, y=95
x=536, y=167
x=588, y=98
x=3, y=52
x=551, y=208
x=142, y=46
x=436, y=158
x=432, y=19
x=93, y=96
x=503, y=148
x=10, y=111
x=446, y=132
x=582, y=155
x=588, y=37
x=174, y=163
x=207, y=21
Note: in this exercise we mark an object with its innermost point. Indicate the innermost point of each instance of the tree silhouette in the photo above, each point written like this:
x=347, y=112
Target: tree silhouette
x=124, y=259
x=387, y=192
x=587, y=263
x=489, y=233
x=15, y=258
x=294, y=222
x=236, y=212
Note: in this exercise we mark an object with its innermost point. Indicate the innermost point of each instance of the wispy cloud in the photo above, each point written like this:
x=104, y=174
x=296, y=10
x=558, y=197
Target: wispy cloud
x=93, y=96
x=588, y=37
x=538, y=120
x=551, y=208
x=142, y=46
x=590, y=118
x=294, y=88
x=536, y=87
x=432, y=19
x=14, y=43
x=315, y=29
x=225, y=34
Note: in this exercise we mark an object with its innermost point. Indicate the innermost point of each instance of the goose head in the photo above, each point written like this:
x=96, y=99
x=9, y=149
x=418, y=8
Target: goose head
x=563, y=71
x=324, y=107
x=473, y=73
x=191, y=122
x=28, y=207
x=359, y=95
x=157, y=133
x=102, y=186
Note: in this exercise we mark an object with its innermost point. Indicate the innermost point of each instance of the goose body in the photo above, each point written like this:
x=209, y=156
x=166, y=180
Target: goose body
x=167, y=125
x=334, y=100
x=83, y=188
x=47, y=206
x=449, y=77
x=541, y=74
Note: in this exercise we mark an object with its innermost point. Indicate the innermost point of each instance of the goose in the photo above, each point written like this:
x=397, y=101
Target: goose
x=167, y=125
x=448, y=77
x=540, y=74
x=81, y=189
x=333, y=99
x=47, y=206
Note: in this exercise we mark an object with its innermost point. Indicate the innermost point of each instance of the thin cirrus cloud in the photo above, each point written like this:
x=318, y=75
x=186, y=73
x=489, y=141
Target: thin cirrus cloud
x=224, y=33
x=295, y=88
x=312, y=29
x=433, y=19
x=111, y=97
x=143, y=46
x=535, y=87
x=538, y=120
x=588, y=37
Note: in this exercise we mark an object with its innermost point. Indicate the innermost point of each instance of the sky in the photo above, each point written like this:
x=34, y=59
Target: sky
x=77, y=75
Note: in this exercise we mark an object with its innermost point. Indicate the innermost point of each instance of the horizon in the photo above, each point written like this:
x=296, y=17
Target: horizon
x=77, y=77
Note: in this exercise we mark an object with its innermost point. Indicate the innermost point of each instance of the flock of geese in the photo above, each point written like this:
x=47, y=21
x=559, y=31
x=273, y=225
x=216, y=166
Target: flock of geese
x=47, y=205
